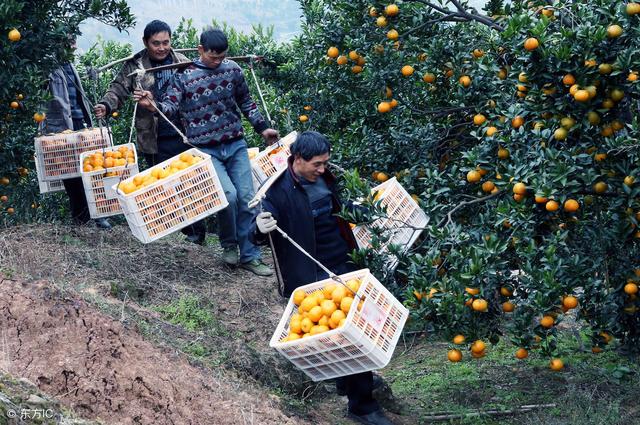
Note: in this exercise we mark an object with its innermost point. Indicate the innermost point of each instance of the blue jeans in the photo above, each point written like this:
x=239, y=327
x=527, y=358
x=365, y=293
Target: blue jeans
x=231, y=162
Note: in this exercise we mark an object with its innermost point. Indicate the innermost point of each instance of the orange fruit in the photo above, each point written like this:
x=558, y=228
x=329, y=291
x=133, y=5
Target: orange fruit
x=472, y=291
x=600, y=187
x=541, y=199
x=316, y=313
x=10, y=210
x=581, y=96
x=477, y=53
x=356, y=69
x=571, y=205
x=454, y=355
x=308, y=303
x=629, y=180
x=490, y=132
x=522, y=353
x=14, y=35
x=353, y=55
x=616, y=95
x=353, y=285
x=479, y=119
x=345, y=304
x=14, y=105
x=547, y=321
x=407, y=70
x=338, y=294
x=428, y=77
x=560, y=134
x=568, y=80
x=520, y=188
x=459, y=339
x=303, y=118
x=488, y=186
x=392, y=35
x=328, y=290
x=384, y=107
x=570, y=302
x=503, y=153
x=381, y=21
x=295, y=325
x=465, y=81
x=342, y=60
x=556, y=364
x=596, y=350
x=473, y=176
x=373, y=12
x=333, y=52
x=382, y=177
x=506, y=292
x=508, y=306
x=478, y=346
x=480, y=305
x=614, y=31
x=633, y=8
x=391, y=10
x=631, y=288
x=531, y=43
x=517, y=121
x=39, y=117
x=306, y=324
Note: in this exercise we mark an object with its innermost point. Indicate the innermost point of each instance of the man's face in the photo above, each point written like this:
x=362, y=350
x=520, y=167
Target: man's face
x=210, y=58
x=158, y=46
x=312, y=169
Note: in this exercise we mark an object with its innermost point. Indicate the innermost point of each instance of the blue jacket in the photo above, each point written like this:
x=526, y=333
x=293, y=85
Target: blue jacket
x=289, y=204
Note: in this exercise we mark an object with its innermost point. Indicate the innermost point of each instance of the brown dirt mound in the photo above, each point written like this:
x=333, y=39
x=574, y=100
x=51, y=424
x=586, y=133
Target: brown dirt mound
x=95, y=365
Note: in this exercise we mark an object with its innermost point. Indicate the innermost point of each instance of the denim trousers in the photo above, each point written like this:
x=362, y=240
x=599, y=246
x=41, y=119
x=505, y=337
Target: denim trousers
x=231, y=162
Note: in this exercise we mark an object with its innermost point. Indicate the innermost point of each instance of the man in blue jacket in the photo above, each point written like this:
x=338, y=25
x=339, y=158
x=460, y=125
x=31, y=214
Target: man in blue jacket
x=303, y=202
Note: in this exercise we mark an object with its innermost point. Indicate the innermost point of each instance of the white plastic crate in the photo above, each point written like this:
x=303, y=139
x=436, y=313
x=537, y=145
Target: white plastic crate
x=403, y=214
x=101, y=198
x=365, y=342
x=272, y=159
x=174, y=202
x=47, y=186
x=58, y=154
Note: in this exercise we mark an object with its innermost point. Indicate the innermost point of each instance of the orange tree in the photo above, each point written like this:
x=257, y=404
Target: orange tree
x=517, y=130
x=35, y=40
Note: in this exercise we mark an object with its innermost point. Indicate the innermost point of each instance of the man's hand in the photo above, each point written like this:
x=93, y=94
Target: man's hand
x=265, y=222
x=144, y=99
x=270, y=136
x=100, y=110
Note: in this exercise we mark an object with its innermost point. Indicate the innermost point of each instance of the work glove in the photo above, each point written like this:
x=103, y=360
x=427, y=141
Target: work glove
x=265, y=222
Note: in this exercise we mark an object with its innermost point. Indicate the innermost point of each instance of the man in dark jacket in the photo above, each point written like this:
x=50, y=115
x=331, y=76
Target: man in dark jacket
x=69, y=109
x=157, y=140
x=303, y=203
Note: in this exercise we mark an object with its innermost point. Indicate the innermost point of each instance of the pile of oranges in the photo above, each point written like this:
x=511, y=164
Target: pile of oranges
x=322, y=310
x=101, y=160
x=139, y=181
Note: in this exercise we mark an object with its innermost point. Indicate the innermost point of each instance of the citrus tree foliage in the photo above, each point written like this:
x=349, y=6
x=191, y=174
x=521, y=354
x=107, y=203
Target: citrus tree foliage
x=35, y=40
x=518, y=132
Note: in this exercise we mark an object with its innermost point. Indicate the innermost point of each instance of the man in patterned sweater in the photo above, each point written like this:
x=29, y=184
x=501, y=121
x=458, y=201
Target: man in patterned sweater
x=209, y=95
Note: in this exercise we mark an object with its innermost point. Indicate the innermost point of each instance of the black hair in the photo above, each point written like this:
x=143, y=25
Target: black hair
x=309, y=144
x=214, y=40
x=154, y=27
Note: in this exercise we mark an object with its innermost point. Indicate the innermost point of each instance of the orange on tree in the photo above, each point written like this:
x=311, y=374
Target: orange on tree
x=508, y=307
x=465, y=81
x=531, y=44
x=303, y=118
x=381, y=21
x=473, y=176
x=571, y=205
x=479, y=119
x=14, y=35
x=478, y=346
x=503, y=153
x=407, y=70
x=459, y=339
x=547, y=321
x=568, y=80
x=480, y=305
x=488, y=186
x=391, y=10
x=39, y=117
x=521, y=353
x=600, y=187
x=392, y=34
x=520, y=188
x=570, y=302
x=384, y=107
x=614, y=31
x=633, y=8
x=517, y=121
x=428, y=77
x=342, y=60
x=333, y=52
x=631, y=288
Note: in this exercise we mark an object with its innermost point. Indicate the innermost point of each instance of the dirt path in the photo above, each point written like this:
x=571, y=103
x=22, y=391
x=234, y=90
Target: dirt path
x=99, y=368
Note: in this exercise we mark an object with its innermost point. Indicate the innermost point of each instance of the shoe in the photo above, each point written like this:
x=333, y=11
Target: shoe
x=195, y=238
x=378, y=382
x=230, y=256
x=373, y=418
x=257, y=267
x=103, y=223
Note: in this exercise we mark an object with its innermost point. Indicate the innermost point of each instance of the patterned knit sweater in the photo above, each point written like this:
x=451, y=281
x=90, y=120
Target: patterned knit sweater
x=208, y=101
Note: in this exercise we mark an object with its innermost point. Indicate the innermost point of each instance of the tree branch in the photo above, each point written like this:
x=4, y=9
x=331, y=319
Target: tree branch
x=448, y=219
